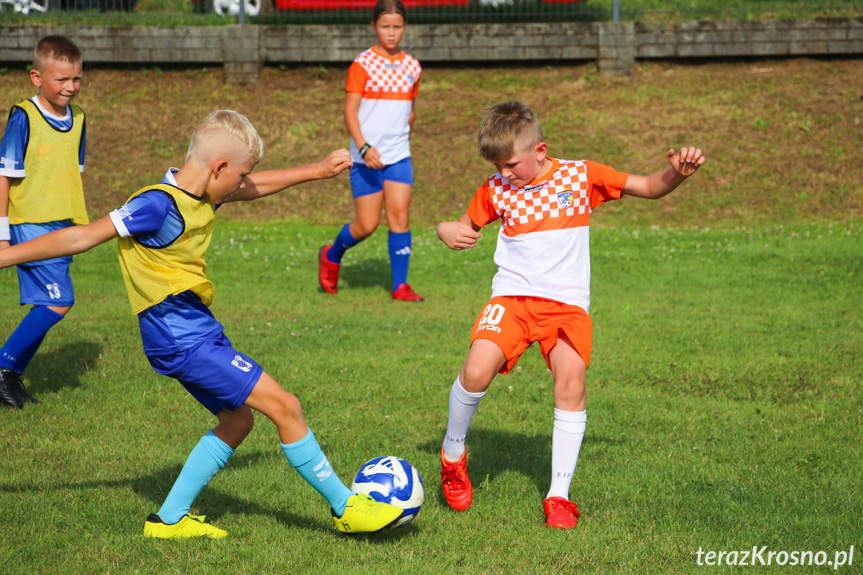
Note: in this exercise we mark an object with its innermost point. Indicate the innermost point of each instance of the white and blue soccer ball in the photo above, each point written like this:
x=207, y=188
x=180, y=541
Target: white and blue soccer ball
x=392, y=480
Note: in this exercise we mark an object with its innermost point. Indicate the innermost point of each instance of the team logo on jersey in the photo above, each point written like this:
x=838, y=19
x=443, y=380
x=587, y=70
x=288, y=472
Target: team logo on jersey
x=565, y=198
x=391, y=66
x=241, y=364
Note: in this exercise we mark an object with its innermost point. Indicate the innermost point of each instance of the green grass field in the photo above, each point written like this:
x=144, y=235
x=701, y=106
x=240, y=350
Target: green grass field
x=724, y=393
x=724, y=411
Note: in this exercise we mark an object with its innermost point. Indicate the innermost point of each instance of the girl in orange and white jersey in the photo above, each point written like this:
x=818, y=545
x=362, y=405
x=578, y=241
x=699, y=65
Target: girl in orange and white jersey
x=382, y=84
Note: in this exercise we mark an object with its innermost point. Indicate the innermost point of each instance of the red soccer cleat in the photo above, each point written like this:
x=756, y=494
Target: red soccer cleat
x=560, y=513
x=328, y=272
x=457, y=489
x=405, y=293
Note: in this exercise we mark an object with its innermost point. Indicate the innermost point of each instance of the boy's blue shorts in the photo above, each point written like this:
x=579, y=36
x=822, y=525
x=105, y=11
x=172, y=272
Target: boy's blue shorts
x=216, y=374
x=365, y=181
x=46, y=284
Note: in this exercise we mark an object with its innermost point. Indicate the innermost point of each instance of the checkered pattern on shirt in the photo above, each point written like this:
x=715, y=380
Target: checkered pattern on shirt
x=521, y=209
x=385, y=75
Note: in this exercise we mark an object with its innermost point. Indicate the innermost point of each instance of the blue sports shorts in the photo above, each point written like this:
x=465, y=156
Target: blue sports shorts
x=365, y=181
x=47, y=284
x=216, y=374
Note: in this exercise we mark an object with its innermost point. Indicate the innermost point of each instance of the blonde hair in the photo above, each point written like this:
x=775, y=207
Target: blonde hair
x=504, y=127
x=228, y=133
x=55, y=49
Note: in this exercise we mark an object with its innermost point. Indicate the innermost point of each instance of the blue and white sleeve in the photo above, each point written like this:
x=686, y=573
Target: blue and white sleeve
x=13, y=146
x=143, y=215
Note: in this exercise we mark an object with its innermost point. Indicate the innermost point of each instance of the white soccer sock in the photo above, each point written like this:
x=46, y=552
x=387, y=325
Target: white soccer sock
x=462, y=405
x=565, y=443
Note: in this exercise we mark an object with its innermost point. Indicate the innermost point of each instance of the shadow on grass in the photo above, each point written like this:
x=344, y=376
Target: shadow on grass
x=492, y=453
x=366, y=273
x=52, y=371
x=153, y=488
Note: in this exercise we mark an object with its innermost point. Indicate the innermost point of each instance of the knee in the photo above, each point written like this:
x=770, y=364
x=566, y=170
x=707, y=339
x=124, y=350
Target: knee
x=289, y=406
x=398, y=218
x=475, y=378
x=363, y=228
x=235, y=426
x=245, y=423
x=570, y=394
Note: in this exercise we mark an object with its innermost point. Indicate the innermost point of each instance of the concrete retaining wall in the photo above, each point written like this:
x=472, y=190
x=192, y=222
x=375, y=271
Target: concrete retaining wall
x=614, y=45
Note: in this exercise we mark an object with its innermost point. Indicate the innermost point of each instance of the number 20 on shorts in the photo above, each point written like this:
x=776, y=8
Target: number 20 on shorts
x=491, y=316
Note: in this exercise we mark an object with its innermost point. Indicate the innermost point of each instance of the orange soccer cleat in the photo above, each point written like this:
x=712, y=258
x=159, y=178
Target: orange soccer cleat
x=457, y=489
x=560, y=513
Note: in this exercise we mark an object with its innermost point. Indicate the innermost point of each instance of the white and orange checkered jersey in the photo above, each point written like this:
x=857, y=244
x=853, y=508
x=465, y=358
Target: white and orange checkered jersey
x=543, y=248
x=388, y=87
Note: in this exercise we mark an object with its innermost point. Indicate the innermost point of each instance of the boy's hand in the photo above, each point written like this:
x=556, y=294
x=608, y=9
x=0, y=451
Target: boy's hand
x=687, y=161
x=335, y=163
x=4, y=244
x=457, y=235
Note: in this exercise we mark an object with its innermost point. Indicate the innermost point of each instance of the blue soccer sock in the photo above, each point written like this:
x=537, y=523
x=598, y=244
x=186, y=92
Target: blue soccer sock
x=24, y=342
x=400, y=256
x=207, y=458
x=342, y=243
x=307, y=458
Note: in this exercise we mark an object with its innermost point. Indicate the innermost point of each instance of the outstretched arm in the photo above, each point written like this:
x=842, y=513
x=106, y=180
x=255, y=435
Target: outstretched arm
x=654, y=186
x=65, y=242
x=260, y=184
x=460, y=234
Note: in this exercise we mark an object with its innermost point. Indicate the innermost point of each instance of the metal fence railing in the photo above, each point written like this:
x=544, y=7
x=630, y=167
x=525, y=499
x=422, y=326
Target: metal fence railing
x=216, y=12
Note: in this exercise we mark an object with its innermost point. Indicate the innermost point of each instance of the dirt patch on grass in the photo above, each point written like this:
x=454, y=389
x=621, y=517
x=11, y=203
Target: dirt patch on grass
x=782, y=136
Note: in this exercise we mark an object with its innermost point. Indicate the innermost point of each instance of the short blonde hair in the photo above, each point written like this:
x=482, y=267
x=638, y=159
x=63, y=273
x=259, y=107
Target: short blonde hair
x=55, y=49
x=504, y=127
x=229, y=133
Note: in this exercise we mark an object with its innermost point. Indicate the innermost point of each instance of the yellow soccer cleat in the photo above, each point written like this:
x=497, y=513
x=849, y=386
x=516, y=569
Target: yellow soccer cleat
x=188, y=526
x=365, y=515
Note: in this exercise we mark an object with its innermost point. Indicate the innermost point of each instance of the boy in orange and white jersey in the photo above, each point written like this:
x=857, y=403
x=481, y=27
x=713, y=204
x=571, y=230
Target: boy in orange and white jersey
x=541, y=291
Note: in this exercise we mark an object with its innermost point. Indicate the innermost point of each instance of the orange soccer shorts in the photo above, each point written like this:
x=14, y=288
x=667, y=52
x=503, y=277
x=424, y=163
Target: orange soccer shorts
x=515, y=322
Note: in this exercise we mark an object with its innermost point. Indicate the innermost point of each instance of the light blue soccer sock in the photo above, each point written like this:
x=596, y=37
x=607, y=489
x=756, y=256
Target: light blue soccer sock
x=207, y=458
x=342, y=243
x=24, y=342
x=307, y=458
x=400, y=256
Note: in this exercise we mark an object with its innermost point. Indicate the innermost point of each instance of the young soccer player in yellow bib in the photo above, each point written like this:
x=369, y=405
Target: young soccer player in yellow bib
x=383, y=83
x=164, y=232
x=541, y=291
x=41, y=160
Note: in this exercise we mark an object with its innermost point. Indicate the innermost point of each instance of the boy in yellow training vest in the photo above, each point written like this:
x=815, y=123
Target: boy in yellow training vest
x=164, y=232
x=41, y=160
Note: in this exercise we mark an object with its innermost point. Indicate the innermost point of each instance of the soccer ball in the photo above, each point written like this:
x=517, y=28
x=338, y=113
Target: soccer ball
x=392, y=480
